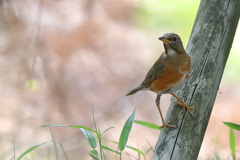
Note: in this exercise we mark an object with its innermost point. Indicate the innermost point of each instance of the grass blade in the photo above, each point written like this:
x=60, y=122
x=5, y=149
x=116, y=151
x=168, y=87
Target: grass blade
x=125, y=131
x=232, y=125
x=109, y=149
x=30, y=150
x=232, y=143
x=90, y=138
x=147, y=124
x=135, y=149
x=149, y=150
x=107, y=130
x=98, y=133
x=54, y=143
x=59, y=125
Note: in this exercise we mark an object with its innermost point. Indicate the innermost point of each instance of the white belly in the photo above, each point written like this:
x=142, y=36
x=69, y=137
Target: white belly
x=179, y=84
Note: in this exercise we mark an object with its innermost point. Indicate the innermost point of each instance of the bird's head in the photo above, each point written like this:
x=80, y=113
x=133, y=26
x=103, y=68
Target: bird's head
x=171, y=41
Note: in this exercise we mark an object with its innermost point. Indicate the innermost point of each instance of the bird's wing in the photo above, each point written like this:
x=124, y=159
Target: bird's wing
x=155, y=72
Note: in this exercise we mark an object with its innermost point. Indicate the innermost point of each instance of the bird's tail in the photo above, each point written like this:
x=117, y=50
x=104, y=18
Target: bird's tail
x=138, y=88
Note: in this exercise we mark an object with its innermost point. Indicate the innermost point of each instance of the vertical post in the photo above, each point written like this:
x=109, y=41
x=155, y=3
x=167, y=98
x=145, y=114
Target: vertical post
x=209, y=47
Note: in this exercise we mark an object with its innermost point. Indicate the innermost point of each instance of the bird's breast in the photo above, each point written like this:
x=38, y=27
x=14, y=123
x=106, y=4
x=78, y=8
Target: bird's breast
x=172, y=79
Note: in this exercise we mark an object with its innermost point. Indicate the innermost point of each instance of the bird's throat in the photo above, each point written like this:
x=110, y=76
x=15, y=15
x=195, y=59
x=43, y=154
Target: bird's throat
x=171, y=52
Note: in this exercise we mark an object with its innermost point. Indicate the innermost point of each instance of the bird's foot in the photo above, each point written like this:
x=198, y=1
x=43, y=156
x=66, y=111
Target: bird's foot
x=185, y=106
x=166, y=125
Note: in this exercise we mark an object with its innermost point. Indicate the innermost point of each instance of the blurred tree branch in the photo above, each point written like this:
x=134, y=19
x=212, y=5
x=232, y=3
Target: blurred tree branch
x=209, y=47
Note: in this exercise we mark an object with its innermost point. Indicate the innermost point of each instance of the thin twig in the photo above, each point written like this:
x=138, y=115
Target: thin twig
x=99, y=138
x=64, y=151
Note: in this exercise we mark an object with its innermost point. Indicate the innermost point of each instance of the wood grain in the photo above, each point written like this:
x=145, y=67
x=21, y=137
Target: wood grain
x=209, y=47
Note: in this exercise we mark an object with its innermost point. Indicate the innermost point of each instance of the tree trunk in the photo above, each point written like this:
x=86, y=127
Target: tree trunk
x=209, y=47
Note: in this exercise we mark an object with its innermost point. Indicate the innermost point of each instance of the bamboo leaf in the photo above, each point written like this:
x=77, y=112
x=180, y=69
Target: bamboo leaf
x=149, y=150
x=94, y=152
x=232, y=143
x=109, y=149
x=89, y=137
x=135, y=149
x=30, y=150
x=148, y=124
x=107, y=130
x=59, y=125
x=232, y=125
x=125, y=131
x=93, y=156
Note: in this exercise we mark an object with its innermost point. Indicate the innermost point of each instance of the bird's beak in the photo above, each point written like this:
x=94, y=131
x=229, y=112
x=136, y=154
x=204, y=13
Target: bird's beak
x=163, y=39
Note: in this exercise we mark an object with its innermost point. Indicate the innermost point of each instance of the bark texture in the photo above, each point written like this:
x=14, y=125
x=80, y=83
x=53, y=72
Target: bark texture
x=209, y=47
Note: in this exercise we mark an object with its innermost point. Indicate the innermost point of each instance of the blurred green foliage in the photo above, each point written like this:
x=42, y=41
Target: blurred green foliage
x=172, y=16
x=232, y=69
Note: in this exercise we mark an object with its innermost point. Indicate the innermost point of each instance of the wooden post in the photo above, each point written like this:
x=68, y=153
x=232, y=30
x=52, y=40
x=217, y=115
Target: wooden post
x=209, y=47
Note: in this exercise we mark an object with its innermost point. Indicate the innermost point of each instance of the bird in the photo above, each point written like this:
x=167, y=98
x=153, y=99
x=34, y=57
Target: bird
x=168, y=74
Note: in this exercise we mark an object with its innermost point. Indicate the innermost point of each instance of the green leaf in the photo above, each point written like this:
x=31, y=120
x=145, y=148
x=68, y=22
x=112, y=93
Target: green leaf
x=135, y=149
x=93, y=156
x=89, y=137
x=125, y=131
x=109, y=149
x=149, y=150
x=147, y=124
x=30, y=150
x=232, y=143
x=58, y=125
x=94, y=152
x=107, y=130
x=232, y=125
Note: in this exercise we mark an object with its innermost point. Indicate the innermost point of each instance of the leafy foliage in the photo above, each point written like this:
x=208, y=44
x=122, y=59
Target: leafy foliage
x=30, y=150
x=148, y=124
x=232, y=125
x=125, y=132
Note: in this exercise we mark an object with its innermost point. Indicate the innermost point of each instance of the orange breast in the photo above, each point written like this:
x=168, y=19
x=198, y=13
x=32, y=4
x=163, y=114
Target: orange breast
x=171, y=75
x=165, y=81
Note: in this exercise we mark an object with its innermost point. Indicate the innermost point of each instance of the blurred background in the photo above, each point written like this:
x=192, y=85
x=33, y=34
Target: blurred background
x=58, y=58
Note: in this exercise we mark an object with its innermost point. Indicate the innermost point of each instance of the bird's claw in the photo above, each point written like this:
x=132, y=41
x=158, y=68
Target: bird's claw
x=185, y=106
x=166, y=125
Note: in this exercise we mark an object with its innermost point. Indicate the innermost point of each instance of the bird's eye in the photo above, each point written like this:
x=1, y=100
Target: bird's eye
x=174, y=38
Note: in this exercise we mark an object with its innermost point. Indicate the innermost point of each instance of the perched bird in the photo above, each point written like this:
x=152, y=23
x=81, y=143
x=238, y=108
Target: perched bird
x=168, y=74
